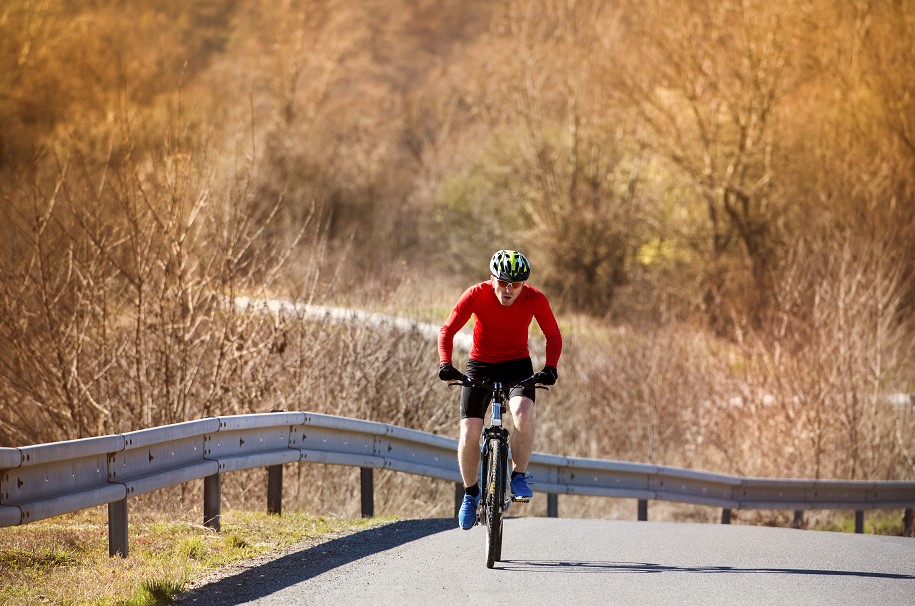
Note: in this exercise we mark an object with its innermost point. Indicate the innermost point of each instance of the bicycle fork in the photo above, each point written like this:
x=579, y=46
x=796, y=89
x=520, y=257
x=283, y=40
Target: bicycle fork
x=500, y=434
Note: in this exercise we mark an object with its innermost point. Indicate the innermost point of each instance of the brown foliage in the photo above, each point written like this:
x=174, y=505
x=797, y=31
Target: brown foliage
x=742, y=166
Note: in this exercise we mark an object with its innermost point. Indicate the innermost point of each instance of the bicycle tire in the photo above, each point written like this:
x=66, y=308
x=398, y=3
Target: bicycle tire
x=495, y=488
x=503, y=485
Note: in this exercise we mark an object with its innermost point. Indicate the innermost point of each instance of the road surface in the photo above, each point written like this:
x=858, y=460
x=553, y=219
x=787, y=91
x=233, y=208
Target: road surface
x=566, y=561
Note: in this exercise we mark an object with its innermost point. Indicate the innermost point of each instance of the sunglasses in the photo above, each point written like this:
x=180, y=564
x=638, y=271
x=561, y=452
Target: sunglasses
x=507, y=284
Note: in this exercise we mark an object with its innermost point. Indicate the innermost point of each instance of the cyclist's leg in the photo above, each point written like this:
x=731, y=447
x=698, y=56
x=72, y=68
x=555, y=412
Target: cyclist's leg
x=521, y=406
x=469, y=449
x=522, y=438
x=473, y=407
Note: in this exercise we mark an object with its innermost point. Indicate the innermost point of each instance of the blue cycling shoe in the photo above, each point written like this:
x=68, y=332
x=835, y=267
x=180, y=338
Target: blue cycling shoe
x=520, y=490
x=467, y=517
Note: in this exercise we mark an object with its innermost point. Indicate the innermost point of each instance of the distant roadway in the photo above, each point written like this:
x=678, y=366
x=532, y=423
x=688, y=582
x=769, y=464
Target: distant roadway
x=559, y=562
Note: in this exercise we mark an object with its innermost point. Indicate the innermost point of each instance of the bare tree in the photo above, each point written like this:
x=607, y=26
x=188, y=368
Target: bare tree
x=706, y=88
x=120, y=307
x=840, y=346
x=557, y=173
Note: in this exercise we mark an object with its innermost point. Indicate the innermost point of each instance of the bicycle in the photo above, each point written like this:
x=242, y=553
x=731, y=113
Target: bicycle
x=494, y=471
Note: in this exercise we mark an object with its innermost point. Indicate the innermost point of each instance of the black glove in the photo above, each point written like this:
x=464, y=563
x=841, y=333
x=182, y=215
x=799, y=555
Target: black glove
x=547, y=376
x=447, y=372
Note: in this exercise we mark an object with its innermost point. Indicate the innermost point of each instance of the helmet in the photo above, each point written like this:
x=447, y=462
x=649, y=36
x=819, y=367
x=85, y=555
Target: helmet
x=510, y=265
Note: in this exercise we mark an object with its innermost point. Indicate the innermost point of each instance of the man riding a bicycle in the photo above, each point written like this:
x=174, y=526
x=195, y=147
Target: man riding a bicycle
x=504, y=307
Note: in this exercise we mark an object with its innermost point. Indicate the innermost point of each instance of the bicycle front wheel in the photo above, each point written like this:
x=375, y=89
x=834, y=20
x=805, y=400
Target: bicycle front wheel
x=495, y=493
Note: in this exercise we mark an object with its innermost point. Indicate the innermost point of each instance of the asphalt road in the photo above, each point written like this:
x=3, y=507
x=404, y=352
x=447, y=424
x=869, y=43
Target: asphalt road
x=564, y=561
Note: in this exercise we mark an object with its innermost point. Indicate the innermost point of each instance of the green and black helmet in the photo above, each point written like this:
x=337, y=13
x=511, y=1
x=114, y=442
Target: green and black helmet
x=510, y=265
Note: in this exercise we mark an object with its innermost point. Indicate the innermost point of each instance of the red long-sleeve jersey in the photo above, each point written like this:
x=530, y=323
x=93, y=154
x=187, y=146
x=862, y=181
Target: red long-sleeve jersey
x=500, y=333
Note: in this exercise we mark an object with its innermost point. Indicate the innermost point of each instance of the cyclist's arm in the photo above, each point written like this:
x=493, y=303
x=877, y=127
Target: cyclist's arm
x=460, y=315
x=547, y=322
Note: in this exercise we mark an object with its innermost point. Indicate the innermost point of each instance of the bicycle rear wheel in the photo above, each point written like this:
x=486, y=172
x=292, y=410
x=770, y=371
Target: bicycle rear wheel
x=495, y=492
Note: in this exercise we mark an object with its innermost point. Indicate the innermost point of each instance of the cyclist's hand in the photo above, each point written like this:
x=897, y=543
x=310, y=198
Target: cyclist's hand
x=447, y=372
x=547, y=376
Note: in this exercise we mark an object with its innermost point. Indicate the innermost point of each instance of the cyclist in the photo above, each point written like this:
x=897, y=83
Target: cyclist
x=504, y=307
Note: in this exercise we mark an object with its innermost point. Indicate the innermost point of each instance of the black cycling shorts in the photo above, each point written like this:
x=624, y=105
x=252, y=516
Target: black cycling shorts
x=475, y=400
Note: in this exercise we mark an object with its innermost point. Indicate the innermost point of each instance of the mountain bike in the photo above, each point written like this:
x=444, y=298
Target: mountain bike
x=494, y=470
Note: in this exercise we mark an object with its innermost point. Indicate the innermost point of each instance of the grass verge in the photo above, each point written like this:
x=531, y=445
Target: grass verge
x=887, y=523
x=64, y=560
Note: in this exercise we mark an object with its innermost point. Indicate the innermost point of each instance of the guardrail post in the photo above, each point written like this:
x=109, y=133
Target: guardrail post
x=859, y=522
x=275, y=489
x=117, y=528
x=368, y=496
x=643, y=510
x=907, y=523
x=211, y=501
x=798, y=519
x=275, y=484
x=725, y=516
x=552, y=505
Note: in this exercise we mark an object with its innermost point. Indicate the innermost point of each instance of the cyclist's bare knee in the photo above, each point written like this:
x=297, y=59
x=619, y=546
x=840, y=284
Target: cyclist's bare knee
x=471, y=428
x=522, y=410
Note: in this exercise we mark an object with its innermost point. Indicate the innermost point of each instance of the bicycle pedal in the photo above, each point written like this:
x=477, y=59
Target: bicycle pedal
x=520, y=499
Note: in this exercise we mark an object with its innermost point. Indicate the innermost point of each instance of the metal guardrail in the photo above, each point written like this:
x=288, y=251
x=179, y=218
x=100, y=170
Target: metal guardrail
x=46, y=480
x=595, y=477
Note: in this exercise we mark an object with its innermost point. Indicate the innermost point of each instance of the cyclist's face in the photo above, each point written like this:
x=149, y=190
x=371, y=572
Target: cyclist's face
x=507, y=292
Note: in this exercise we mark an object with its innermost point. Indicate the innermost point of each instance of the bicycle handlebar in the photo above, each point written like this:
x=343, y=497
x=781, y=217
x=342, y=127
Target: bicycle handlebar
x=468, y=382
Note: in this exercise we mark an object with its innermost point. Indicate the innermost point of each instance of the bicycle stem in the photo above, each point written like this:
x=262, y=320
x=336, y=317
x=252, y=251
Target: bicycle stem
x=497, y=407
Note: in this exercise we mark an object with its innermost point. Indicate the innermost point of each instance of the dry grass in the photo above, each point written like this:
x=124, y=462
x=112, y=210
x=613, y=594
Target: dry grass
x=65, y=560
